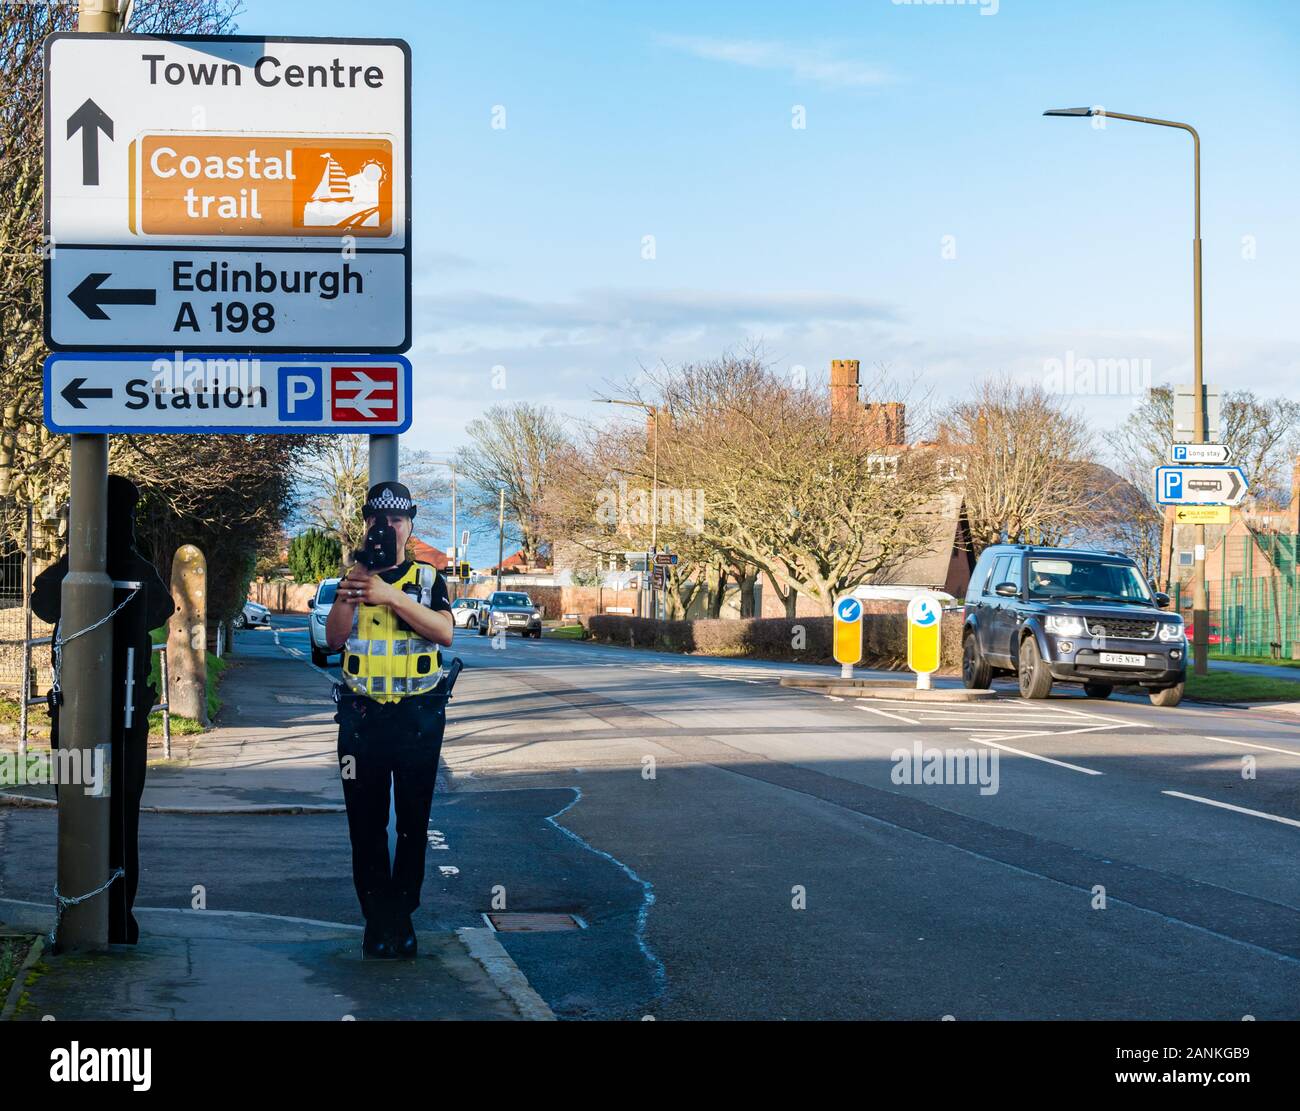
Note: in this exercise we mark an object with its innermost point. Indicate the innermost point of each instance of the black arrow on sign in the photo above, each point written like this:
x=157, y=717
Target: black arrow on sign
x=72, y=393
x=1235, y=483
x=88, y=296
x=90, y=119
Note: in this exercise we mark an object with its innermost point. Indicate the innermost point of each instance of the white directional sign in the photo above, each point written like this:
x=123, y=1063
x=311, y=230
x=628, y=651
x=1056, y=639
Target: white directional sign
x=1200, y=485
x=221, y=393
x=227, y=193
x=1199, y=453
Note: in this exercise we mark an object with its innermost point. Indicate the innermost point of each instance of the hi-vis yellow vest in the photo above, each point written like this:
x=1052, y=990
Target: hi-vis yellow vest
x=386, y=662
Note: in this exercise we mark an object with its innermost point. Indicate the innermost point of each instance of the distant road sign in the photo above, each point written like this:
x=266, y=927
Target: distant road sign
x=1199, y=453
x=227, y=193
x=217, y=393
x=924, y=618
x=1202, y=514
x=1185, y=412
x=1200, y=485
x=665, y=559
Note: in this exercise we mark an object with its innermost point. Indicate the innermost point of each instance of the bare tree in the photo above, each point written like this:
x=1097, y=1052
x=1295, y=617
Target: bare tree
x=754, y=476
x=34, y=461
x=513, y=447
x=1025, y=456
x=1262, y=434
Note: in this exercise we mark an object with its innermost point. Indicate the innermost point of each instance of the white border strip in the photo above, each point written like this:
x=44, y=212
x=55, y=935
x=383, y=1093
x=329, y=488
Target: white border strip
x=1229, y=806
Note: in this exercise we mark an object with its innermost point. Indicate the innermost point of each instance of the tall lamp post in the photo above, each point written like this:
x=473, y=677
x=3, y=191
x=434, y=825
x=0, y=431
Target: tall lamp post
x=454, y=549
x=653, y=410
x=1200, y=601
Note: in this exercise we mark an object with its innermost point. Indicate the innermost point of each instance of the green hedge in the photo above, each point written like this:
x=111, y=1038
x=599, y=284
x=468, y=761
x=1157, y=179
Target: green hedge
x=884, y=638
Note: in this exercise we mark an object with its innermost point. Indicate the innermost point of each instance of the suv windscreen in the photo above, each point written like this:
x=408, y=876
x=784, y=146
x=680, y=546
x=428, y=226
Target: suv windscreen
x=510, y=600
x=1090, y=580
x=326, y=595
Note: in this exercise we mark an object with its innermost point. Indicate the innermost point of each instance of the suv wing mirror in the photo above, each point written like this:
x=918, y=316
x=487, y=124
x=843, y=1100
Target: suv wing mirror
x=1162, y=600
x=1006, y=590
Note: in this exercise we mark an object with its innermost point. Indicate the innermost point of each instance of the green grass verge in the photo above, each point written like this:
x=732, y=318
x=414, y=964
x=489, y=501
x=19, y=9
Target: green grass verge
x=567, y=632
x=1255, y=660
x=1229, y=686
x=216, y=666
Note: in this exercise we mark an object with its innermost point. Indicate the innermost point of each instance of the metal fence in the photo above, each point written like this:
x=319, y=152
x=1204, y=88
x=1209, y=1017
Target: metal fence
x=26, y=669
x=1254, y=595
x=18, y=624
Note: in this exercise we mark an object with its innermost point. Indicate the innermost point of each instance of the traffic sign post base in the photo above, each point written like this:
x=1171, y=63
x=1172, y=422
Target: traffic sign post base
x=846, y=671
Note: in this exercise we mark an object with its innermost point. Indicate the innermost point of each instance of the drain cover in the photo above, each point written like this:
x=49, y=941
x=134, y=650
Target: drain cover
x=534, y=923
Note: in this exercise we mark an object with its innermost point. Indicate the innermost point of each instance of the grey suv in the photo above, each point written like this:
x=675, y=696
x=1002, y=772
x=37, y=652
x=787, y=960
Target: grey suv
x=1072, y=616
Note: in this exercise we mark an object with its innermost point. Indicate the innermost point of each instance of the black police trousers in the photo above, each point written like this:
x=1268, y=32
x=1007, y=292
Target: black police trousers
x=383, y=744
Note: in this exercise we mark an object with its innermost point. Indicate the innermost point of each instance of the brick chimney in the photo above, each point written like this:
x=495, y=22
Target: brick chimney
x=844, y=388
x=888, y=422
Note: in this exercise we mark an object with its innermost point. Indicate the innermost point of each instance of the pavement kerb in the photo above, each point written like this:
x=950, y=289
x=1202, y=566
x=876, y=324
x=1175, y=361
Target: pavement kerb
x=481, y=944
x=7, y=799
x=893, y=689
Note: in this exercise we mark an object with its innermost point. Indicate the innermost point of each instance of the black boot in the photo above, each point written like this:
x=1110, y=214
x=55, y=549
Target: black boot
x=376, y=941
x=404, y=937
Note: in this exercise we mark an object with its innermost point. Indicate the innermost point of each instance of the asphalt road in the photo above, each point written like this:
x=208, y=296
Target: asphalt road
x=741, y=850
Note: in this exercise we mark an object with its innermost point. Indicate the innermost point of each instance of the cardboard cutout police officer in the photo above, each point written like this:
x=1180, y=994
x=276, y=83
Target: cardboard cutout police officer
x=133, y=697
x=390, y=615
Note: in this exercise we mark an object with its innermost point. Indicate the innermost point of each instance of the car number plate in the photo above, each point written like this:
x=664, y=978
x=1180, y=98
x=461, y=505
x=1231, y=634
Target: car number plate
x=1123, y=659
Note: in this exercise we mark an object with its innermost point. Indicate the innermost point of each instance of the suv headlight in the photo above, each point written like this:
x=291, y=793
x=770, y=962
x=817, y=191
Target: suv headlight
x=1172, y=630
x=537, y=614
x=1065, y=626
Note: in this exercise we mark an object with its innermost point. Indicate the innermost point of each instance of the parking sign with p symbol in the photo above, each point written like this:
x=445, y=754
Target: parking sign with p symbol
x=300, y=393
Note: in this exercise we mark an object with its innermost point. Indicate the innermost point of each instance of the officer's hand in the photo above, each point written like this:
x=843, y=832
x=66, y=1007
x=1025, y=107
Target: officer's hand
x=364, y=587
x=355, y=585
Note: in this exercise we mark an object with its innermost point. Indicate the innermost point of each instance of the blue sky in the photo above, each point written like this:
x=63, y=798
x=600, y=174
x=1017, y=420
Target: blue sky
x=923, y=121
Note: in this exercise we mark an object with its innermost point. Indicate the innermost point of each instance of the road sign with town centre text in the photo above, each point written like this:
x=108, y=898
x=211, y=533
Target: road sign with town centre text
x=94, y=392
x=227, y=193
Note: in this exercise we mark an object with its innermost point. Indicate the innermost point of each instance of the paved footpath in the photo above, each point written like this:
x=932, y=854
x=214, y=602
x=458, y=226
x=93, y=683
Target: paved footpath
x=271, y=756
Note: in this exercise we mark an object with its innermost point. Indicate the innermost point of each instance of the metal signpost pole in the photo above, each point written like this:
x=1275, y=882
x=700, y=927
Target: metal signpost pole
x=1200, y=602
x=87, y=596
x=501, y=535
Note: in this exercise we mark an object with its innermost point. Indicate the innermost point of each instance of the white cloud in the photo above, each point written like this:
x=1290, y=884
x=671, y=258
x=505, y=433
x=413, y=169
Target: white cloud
x=816, y=64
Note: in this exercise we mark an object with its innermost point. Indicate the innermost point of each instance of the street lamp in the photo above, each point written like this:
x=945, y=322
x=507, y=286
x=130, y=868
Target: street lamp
x=455, y=550
x=1200, y=602
x=653, y=410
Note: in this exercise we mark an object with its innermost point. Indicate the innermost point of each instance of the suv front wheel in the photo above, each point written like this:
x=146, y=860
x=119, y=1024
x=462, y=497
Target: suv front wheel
x=1035, y=679
x=975, y=671
x=1170, y=696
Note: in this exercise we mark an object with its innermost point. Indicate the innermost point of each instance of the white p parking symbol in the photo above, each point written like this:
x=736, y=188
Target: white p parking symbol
x=300, y=394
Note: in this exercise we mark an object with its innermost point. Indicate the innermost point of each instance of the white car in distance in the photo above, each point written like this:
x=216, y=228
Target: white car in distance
x=318, y=614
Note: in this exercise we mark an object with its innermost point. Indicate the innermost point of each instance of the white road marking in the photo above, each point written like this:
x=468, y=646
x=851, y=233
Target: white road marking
x=1035, y=756
x=1266, y=748
x=1229, y=806
x=883, y=713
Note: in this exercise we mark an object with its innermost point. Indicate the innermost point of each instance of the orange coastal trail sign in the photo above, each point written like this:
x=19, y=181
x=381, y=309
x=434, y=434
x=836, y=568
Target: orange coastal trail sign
x=227, y=193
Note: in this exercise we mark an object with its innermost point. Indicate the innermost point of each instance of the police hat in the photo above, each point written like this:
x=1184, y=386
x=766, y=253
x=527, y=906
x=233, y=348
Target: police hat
x=387, y=498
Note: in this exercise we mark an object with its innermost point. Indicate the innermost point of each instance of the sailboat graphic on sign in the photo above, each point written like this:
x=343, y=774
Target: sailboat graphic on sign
x=340, y=201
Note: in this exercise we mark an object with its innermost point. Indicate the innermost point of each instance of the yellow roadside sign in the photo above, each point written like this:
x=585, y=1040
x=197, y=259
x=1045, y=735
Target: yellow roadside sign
x=847, y=645
x=1202, y=514
x=924, y=616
